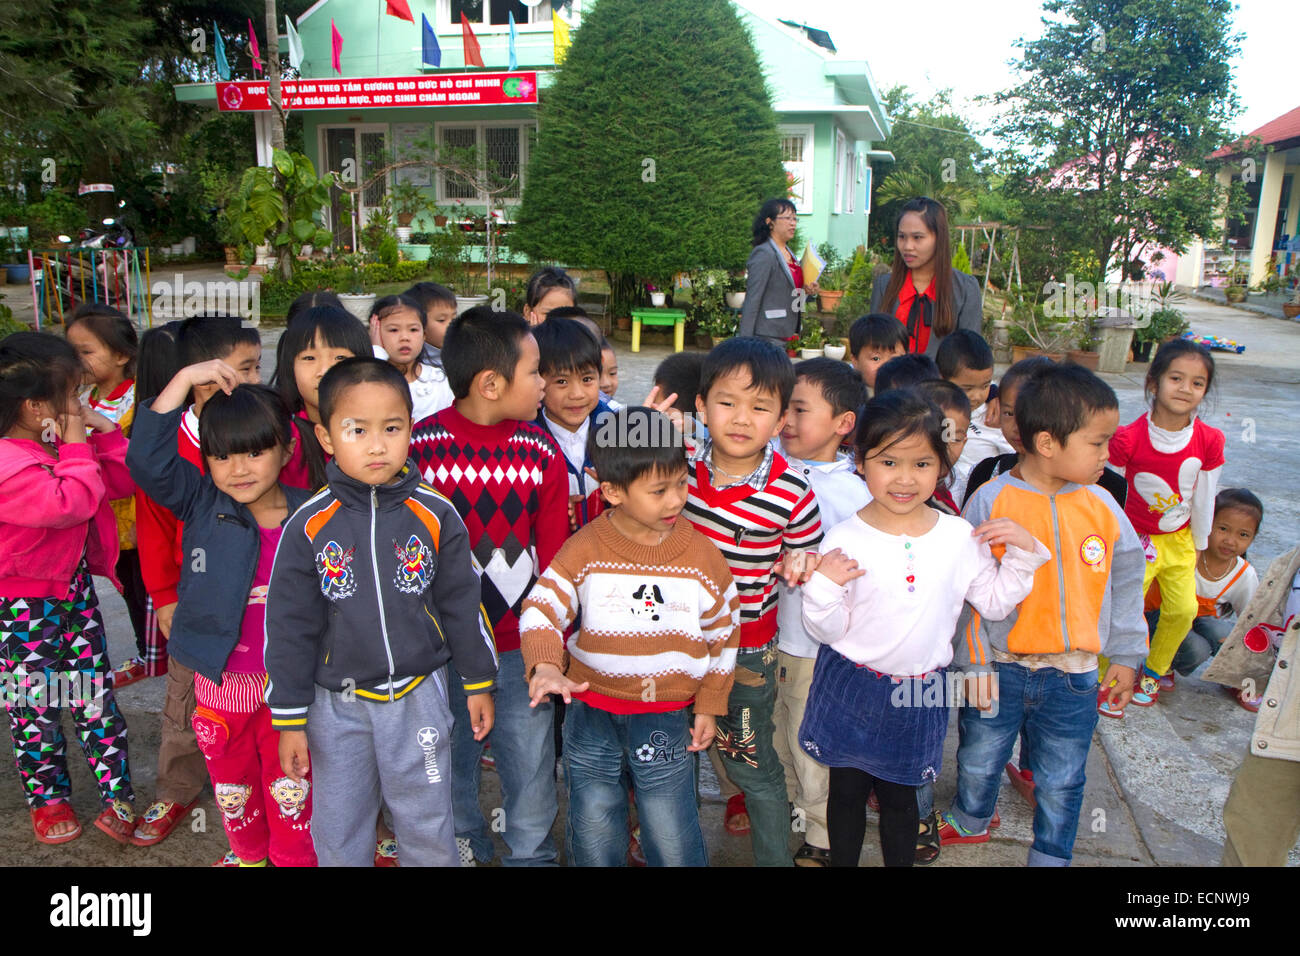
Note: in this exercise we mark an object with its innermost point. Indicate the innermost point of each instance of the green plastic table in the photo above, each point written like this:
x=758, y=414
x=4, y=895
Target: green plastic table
x=650, y=316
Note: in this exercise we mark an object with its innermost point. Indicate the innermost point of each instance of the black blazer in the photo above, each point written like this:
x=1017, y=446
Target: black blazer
x=770, y=308
x=967, y=302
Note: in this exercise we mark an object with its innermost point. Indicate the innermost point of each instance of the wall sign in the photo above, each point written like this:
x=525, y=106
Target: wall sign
x=383, y=92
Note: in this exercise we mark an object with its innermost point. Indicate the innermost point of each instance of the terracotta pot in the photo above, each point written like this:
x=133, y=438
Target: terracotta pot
x=716, y=340
x=1087, y=359
x=624, y=323
x=1019, y=352
x=829, y=300
x=440, y=221
x=1291, y=309
x=232, y=255
x=404, y=218
x=793, y=353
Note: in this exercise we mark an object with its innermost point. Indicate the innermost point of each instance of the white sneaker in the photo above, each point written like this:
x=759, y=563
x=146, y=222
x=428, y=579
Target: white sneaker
x=466, y=854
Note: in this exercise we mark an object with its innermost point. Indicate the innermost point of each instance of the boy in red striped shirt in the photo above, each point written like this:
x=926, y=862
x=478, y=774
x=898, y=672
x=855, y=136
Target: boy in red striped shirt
x=752, y=505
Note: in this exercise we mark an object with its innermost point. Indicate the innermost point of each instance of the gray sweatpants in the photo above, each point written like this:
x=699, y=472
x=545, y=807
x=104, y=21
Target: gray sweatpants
x=361, y=749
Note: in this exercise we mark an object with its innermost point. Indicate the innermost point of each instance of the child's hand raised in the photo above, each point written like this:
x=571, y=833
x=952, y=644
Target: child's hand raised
x=665, y=405
x=1004, y=531
x=839, y=567
x=95, y=420
x=547, y=679
x=294, y=760
x=212, y=372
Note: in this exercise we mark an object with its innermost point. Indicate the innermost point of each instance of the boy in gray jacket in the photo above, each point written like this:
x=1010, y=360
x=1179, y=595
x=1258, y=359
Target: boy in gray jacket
x=372, y=593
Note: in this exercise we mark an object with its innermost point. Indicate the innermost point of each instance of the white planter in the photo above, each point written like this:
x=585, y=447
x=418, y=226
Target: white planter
x=403, y=233
x=176, y=250
x=358, y=303
x=657, y=299
x=464, y=302
x=264, y=255
x=810, y=353
x=835, y=352
x=190, y=245
x=735, y=300
x=307, y=249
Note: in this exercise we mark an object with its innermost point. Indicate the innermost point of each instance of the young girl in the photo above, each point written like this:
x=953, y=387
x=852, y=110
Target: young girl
x=56, y=530
x=548, y=288
x=884, y=604
x=315, y=340
x=232, y=516
x=106, y=341
x=399, y=323
x=1171, y=461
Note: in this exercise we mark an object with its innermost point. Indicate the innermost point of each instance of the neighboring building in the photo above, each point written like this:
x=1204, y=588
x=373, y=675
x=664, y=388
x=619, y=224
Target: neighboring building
x=829, y=110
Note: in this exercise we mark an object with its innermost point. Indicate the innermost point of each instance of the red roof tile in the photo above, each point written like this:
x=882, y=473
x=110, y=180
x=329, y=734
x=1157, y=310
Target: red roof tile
x=1285, y=127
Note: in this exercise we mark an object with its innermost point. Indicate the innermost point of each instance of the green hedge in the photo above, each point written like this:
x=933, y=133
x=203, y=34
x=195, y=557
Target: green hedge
x=277, y=294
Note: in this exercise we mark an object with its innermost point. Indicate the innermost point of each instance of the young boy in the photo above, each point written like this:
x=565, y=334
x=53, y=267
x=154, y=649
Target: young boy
x=571, y=405
x=660, y=625
x=438, y=303
x=182, y=773
x=608, y=371
x=1086, y=602
x=752, y=504
x=873, y=340
x=955, y=406
x=372, y=593
x=904, y=371
x=399, y=326
x=508, y=482
x=823, y=413
x=966, y=360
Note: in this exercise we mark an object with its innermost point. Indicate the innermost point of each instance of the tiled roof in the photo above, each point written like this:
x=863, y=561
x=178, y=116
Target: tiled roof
x=1273, y=133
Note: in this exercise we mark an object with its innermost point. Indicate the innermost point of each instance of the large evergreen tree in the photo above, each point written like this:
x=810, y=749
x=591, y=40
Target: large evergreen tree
x=657, y=144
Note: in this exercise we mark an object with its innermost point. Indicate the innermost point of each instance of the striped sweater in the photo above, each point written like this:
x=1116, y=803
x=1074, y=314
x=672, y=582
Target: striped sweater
x=750, y=523
x=659, y=624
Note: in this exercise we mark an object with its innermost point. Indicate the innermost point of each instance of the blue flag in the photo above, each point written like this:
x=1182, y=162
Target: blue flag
x=430, y=52
x=223, y=68
x=514, y=63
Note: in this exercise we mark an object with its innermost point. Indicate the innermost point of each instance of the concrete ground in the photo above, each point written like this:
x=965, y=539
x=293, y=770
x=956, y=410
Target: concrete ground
x=1156, y=784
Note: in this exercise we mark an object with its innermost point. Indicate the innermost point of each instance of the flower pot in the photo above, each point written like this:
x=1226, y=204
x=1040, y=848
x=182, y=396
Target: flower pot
x=404, y=233
x=1234, y=293
x=440, y=221
x=190, y=245
x=735, y=300
x=176, y=249
x=716, y=340
x=657, y=299
x=1142, y=351
x=1291, y=309
x=835, y=352
x=404, y=218
x=1087, y=359
x=307, y=249
x=793, y=353
x=466, y=302
x=1019, y=352
x=810, y=353
x=358, y=303
x=232, y=255
x=624, y=323
x=829, y=300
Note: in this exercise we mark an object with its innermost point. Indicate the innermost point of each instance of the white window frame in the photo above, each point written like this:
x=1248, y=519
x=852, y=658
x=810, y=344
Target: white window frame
x=842, y=173
x=478, y=126
x=539, y=21
x=807, y=131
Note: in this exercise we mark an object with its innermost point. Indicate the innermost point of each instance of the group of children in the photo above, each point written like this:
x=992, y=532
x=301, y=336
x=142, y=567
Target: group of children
x=444, y=533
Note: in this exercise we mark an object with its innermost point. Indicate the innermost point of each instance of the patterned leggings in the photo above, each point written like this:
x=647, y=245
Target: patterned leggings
x=53, y=655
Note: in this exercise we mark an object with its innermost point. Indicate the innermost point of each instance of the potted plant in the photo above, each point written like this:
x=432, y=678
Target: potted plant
x=1085, y=353
x=718, y=324
x=736, y=282
x=657, y=295
x=1292, y=309
x=1235, y=290
x=792, y=346
x=356, y=299
x=1031, y=332
x=408, y=201
x=811, y=340
x=833, y=278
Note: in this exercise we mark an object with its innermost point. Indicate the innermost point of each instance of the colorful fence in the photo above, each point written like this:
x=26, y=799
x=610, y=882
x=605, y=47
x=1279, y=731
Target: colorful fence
x=62, y=279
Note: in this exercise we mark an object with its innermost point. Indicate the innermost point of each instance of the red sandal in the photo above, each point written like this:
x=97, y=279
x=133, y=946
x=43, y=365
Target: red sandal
x=163, y=816
x=47, y=815
x=117, y=820
x=735, y=807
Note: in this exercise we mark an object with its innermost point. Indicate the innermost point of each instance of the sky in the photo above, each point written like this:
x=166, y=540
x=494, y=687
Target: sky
x=967, y=45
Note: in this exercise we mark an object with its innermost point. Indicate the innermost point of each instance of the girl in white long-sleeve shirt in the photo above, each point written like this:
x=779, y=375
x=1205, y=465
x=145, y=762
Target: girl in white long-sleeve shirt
x=884, y=605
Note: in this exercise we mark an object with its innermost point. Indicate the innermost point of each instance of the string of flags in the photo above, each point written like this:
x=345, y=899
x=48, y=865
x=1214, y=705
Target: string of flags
x=430, y=51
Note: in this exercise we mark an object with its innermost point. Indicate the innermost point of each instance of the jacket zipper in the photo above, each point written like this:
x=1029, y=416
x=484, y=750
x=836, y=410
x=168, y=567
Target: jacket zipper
x=379, y=593
x=1060, y=568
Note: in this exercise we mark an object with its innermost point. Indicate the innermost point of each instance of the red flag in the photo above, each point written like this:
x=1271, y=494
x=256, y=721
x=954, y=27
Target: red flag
x=472, y=55
x=336, y=47
x=252, y=47
x=399, y=9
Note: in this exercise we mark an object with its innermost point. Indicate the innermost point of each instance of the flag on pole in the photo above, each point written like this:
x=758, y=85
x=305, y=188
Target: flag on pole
x=560, y=35
x=252, y=48
x=473, y=56
x=223, y=68
x=430, y=52
x=399, y=9
x=295, y=45
x=336, y=48
x=514, y=62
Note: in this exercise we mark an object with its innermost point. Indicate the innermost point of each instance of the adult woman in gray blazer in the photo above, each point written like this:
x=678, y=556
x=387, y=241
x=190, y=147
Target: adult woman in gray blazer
x=774, y=288
x=947, y=299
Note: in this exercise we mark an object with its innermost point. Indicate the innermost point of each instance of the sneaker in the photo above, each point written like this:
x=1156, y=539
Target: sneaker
x=466, y=853
x=1147, y=691
x=126, y=674
x=230, y=859
x=951, y=833
x=386, y=852
x=1104, y=706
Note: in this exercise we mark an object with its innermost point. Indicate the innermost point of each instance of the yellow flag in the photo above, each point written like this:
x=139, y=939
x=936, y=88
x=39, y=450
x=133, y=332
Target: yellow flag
x=560, y=31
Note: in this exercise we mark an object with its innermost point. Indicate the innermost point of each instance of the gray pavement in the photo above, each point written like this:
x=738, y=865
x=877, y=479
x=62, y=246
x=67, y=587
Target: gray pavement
x=1156, y=784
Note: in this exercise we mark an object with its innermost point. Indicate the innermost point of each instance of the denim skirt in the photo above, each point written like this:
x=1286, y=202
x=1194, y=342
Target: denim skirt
x=890, y=727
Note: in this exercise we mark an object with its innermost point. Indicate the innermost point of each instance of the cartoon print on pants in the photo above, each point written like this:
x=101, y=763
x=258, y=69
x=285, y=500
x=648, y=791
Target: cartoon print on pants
x=414, y=566
x=291, y=796
x=232, y=798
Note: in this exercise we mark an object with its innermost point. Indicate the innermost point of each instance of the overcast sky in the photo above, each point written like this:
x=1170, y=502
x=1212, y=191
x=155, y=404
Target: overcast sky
x=967, y=46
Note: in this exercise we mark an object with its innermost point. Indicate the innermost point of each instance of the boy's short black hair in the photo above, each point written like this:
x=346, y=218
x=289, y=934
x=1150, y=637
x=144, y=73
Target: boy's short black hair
x=1240, y=498
x=429, y=294
x=769, y=368
x=386, y=305
x=252, y=418
x=839, y=383
x=680, y=373
x=878, y=330
x=479, y=339
x=904, y=371
x=963, y=348
x=634, y=441
x=576, y=313
x=566, y=345
x=205, y=337
x=1059, y=400
x=1019, y=371
x=948, y=397
x=356, y=371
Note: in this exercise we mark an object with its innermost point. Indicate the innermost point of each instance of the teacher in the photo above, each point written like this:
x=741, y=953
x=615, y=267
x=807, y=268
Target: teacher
x=774, y=286
x=948, y=299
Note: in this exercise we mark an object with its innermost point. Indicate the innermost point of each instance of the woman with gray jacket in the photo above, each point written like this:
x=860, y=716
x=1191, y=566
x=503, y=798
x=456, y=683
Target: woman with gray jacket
x=922, y=289
x=774, y=288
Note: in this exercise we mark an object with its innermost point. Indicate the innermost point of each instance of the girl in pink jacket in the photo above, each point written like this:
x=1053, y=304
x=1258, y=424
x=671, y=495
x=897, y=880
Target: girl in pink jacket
x=56, y=530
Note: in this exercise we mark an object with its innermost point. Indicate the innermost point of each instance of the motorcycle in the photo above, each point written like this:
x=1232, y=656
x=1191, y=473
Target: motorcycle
x=110, y=270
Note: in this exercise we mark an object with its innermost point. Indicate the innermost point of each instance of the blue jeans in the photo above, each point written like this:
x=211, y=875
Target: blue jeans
x=1058, y=713
x=523, y=745
x=1201, y=643
x=600, y=749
